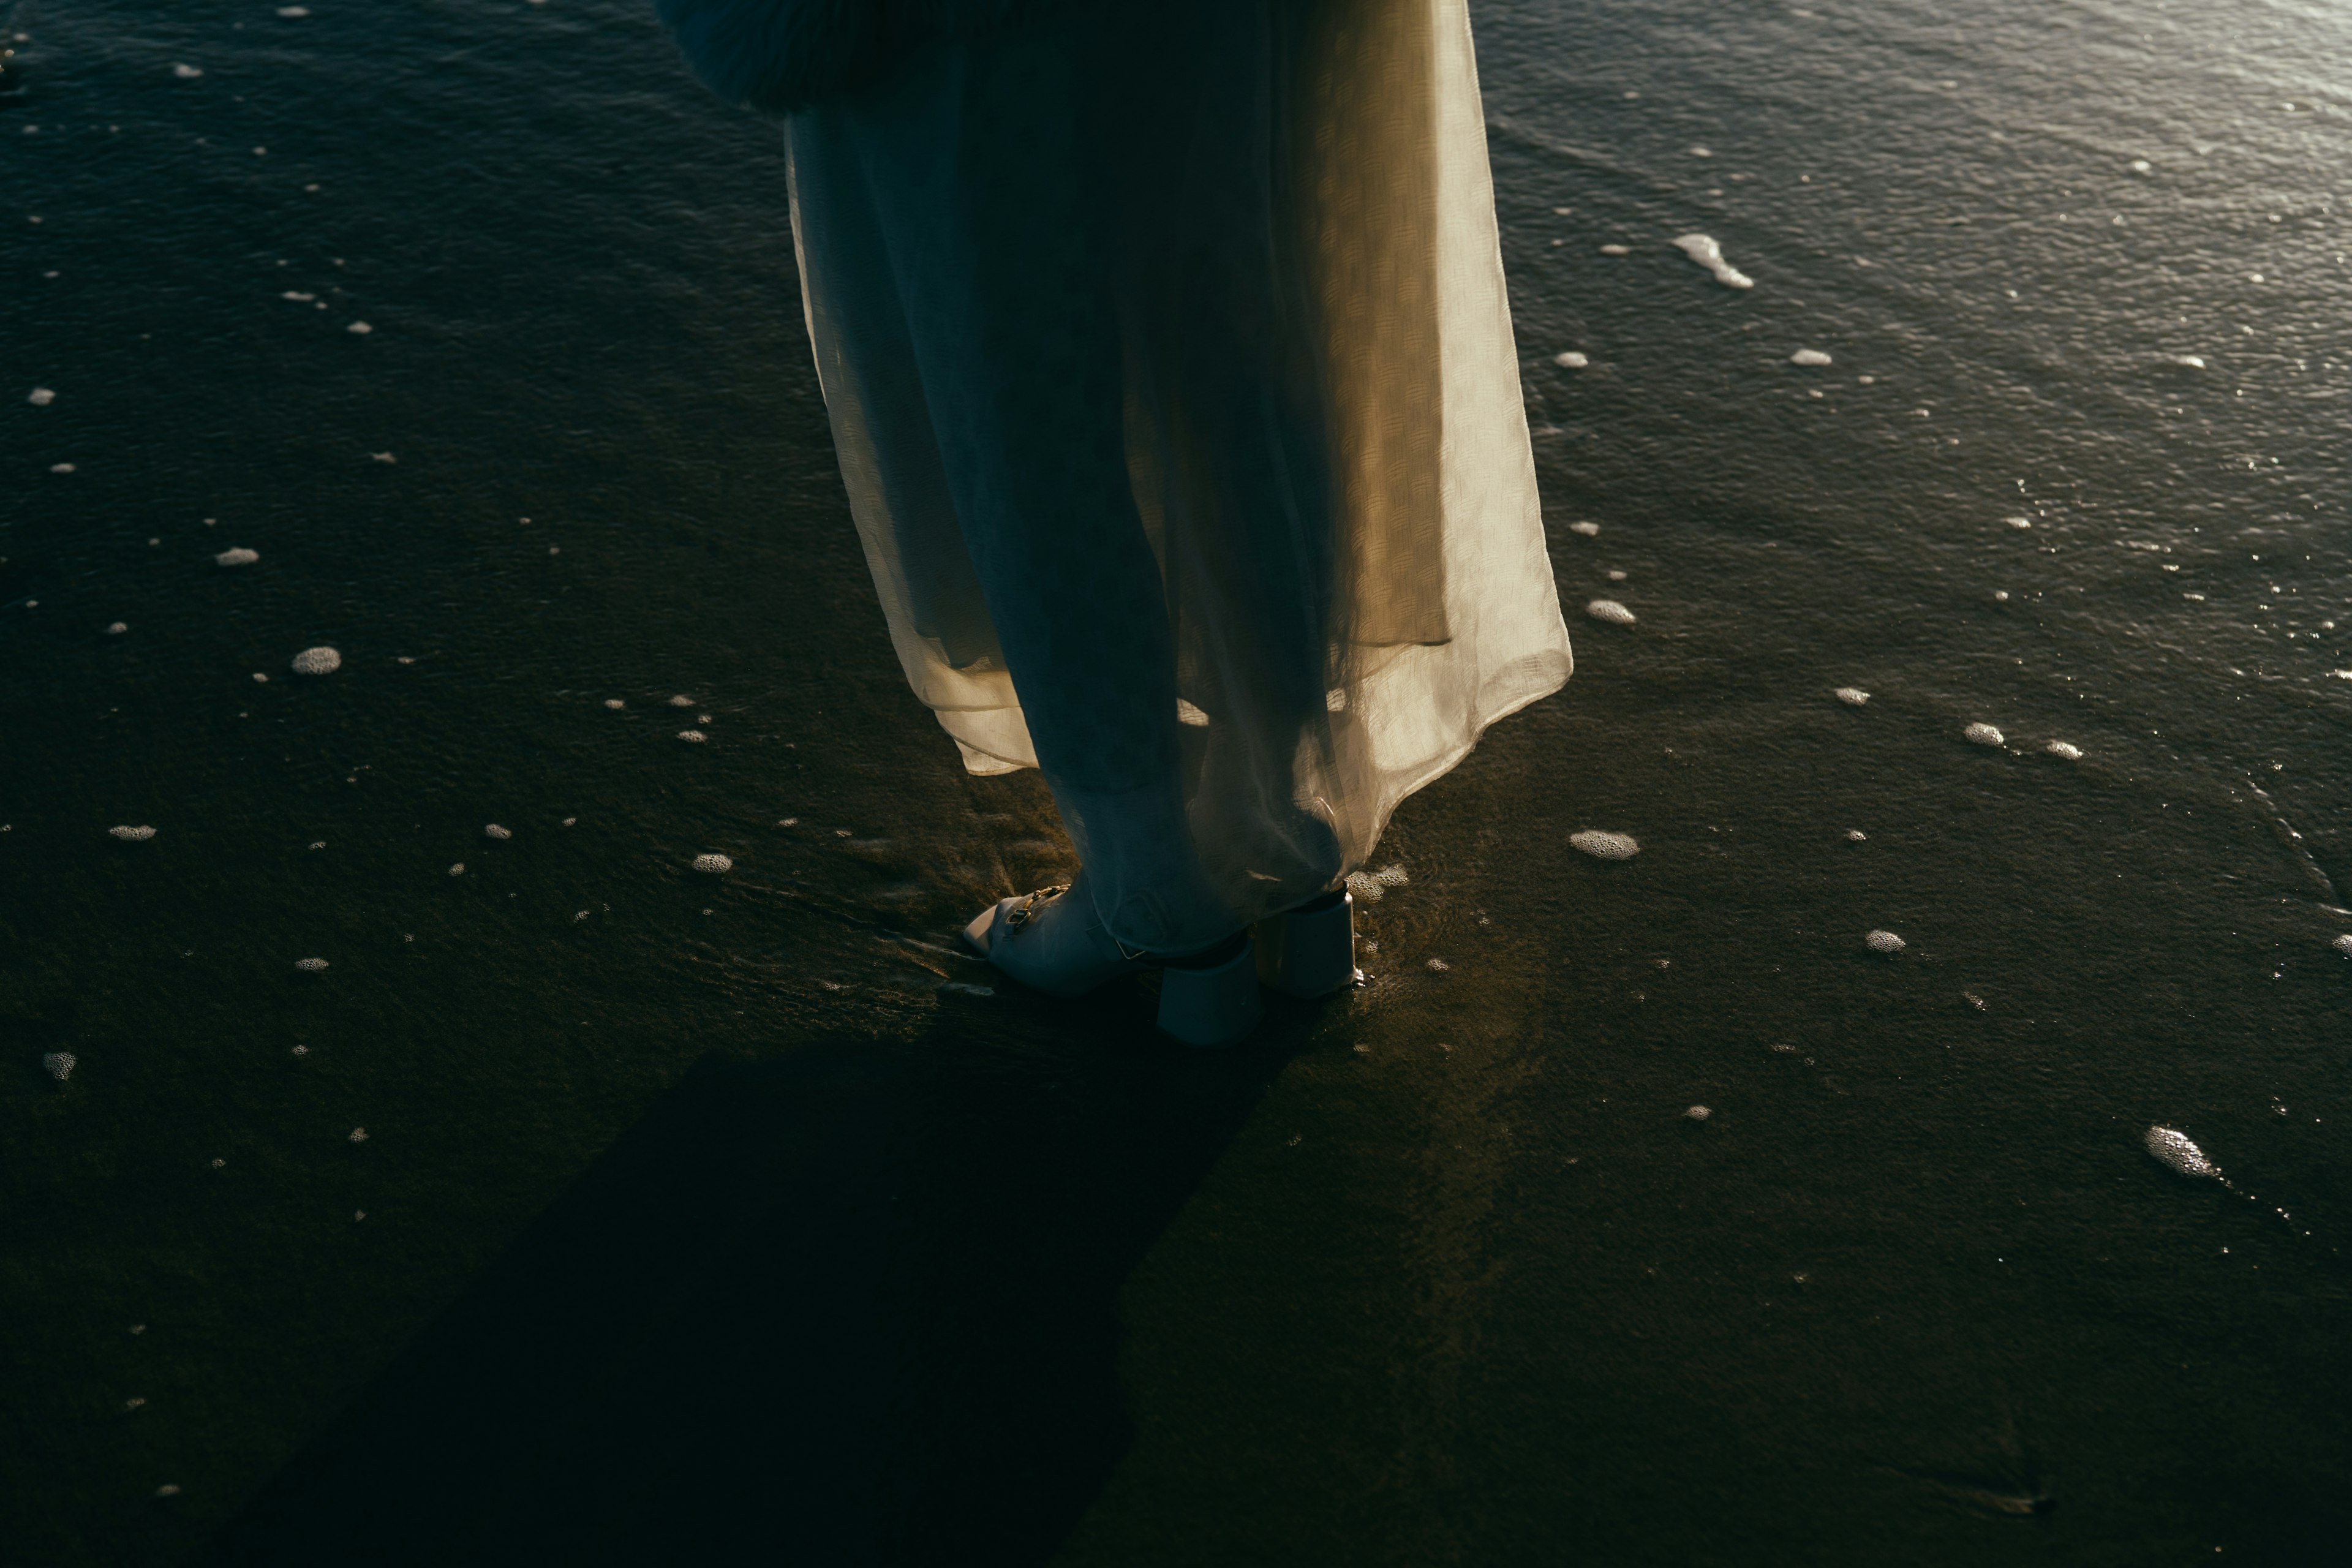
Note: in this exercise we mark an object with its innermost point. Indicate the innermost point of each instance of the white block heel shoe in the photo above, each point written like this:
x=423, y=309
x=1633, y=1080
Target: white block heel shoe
x=1310, y=951
x=1214, y=1001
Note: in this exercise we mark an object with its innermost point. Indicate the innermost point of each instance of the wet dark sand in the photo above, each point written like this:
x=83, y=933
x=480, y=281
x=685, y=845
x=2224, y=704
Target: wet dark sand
x=721, y=1222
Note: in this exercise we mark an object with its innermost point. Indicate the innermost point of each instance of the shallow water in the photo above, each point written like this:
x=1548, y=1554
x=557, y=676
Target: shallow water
x=1446, y=1272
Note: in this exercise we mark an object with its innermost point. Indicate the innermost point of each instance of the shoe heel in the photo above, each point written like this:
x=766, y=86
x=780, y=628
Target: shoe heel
x=1216, y=1003
x=1310, y=951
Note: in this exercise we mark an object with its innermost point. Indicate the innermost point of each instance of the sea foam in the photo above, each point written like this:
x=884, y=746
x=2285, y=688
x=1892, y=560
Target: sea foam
x=1704, y=249
x=1603, y=846
x=2176, y=1149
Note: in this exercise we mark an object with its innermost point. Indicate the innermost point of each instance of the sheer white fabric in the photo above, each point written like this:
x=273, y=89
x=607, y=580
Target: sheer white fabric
x=1442, y=615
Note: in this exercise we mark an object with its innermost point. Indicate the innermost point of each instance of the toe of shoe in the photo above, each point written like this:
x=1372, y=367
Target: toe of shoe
x=980, y=934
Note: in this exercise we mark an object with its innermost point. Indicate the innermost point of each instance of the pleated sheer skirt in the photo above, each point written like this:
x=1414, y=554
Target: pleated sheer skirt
x=1170, y=369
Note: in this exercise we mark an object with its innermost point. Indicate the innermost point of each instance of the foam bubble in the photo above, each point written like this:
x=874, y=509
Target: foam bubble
x=696, y=736
x=61, y=468
x=1610, y=610
x=1984, y=734
x=133, y=834
x=1616, y=250
x=238, y=557
x=1882, y=941
x=1703, y=249
x=1603, y=846
x=2070, y=752
x=1370, y=887
x=1808, y=356
x=681, y=701
x=2141, y=165
x=1186, y=713
x=58, y=1065
x=615, y=702
x=2176, y=1149
x=1568, y=359
x=2019, y=522
x=1852, y=696
x=459, y=870
x=384, y=457
x=2343, y=944
x=259, y=680
x=1856, y=836
x=296, y=295
x=492, y=830
x=1587, y=529
x=360, y=328
x=318, y=661
x=291, y=12
x=1699, y=1113
x=714, y=864
x=1438, y=966
x=2191, y=362
x=187, y=73
x=41, y=397
x=310, y=965
x=116, y=629
x=359, y=1135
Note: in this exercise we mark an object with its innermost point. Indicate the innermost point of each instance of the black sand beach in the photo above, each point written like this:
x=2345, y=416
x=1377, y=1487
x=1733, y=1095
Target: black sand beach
x=700, y=1217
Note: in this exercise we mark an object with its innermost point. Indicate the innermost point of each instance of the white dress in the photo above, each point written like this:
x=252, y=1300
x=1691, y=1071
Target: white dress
x=1358, y=143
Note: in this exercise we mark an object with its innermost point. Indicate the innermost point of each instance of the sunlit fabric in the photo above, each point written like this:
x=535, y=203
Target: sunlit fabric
x=1170, y=369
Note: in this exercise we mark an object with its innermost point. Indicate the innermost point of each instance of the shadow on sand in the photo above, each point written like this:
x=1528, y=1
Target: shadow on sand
x=855, y=1305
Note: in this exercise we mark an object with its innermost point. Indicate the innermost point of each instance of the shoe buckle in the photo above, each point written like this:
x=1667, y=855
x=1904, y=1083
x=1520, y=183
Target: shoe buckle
x=1026, y=910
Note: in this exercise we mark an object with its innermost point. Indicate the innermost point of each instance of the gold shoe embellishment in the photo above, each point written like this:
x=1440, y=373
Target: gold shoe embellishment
x=1026, y=910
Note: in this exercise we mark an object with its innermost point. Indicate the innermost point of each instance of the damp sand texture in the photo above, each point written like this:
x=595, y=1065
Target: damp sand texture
x=697, y=1202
